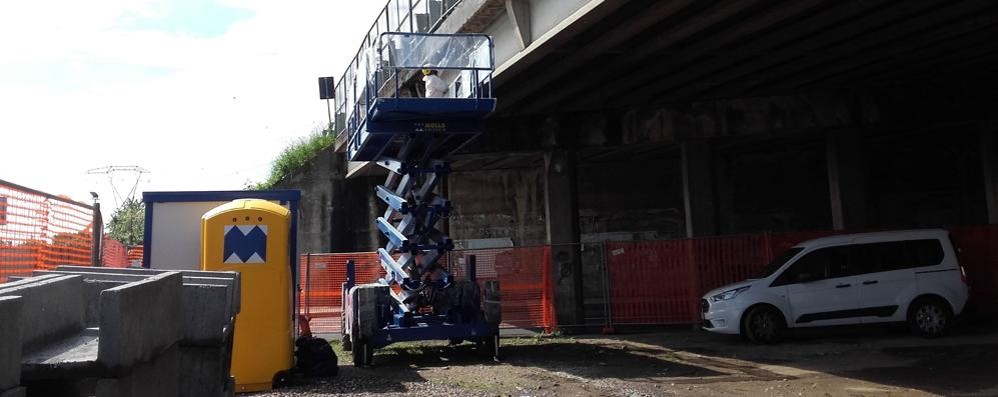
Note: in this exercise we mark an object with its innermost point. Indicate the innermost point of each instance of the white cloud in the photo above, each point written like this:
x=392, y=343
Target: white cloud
x=200, y=113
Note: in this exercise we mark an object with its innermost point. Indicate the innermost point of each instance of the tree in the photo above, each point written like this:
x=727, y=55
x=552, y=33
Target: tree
x=127, y=222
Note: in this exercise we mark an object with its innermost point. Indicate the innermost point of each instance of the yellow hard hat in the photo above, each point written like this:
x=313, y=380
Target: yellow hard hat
x=426, y=72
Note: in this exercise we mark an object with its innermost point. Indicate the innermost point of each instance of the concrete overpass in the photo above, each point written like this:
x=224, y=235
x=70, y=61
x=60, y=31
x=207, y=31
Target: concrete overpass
x=648, y=119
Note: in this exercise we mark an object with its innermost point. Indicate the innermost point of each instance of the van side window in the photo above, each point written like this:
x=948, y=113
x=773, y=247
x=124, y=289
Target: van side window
x=897, y=255
x=880, y=257
x=817, y=265
x=924, y=252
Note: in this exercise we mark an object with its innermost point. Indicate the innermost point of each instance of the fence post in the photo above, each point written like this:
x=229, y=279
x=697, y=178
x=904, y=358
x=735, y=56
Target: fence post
x=96, y=236
x=695, y=281
x=607, y=304
x=550, y=318
x=308, y=284
x=470, y=269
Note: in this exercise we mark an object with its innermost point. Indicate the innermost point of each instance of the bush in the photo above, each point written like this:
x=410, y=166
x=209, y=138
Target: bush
x=295, y=156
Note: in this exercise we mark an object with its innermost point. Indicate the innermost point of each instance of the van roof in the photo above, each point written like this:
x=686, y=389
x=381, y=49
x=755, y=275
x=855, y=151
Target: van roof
x=874, y=236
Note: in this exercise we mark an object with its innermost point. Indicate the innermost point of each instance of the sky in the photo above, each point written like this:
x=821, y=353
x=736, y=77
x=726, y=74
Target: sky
x=204, y=94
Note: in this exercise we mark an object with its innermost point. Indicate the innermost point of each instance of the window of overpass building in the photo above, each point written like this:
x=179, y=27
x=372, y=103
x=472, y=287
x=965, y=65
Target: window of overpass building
x=3, y=210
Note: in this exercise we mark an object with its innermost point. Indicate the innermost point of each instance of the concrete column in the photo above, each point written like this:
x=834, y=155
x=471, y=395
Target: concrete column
x=989, y=159
x=698, y=189
x=562, y=224
x=338, y=210
x=846, y=179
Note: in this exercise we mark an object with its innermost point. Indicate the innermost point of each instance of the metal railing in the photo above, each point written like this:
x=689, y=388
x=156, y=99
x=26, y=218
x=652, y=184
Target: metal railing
x=408, y=16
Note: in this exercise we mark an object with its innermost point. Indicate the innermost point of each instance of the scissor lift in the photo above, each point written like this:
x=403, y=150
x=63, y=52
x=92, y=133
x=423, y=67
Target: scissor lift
x=418, y=298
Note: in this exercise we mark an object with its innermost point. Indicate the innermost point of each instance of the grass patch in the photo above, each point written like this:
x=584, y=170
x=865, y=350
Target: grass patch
x=295, y=156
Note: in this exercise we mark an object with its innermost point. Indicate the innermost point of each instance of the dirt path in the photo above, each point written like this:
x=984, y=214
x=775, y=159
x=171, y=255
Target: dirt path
x=680, y=362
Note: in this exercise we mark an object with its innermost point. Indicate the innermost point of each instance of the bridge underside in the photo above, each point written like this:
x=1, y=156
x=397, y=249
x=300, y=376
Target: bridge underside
x=649, y=119
x=637, y=53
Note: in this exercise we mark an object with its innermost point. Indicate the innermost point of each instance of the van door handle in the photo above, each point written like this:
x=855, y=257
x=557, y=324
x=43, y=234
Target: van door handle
x=870, y=282
x=843, y=286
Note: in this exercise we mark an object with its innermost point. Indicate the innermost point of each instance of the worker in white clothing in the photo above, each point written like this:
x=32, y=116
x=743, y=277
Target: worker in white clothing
x=435, y=86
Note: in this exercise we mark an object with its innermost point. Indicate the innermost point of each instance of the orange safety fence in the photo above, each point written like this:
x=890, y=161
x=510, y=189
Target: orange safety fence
x=113, y=253
x=978, y=253
x=661, y=282
x=135, y=255
x=321, y=280
x=647, y=282
x=41, y=231
x=526, y=293
x=523, y=274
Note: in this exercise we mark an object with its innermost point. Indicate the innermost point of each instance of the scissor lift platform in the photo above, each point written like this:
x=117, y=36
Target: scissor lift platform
x=453, y=122
x=417, y=298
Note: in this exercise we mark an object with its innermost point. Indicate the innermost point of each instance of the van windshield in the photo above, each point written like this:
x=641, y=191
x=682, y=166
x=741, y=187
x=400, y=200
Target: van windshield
x=777, y=263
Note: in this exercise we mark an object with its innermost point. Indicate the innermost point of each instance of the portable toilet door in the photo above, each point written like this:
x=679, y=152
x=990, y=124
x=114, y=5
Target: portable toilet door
x=251, y=236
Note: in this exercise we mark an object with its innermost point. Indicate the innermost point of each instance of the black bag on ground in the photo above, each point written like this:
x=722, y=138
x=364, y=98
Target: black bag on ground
x=315, y=357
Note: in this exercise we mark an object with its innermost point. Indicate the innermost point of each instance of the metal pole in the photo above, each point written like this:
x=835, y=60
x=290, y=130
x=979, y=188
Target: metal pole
x=607, y=304
x=97, y=238
x=308, y=283
x=329, y=115
x=471, y=268
x=350, y=274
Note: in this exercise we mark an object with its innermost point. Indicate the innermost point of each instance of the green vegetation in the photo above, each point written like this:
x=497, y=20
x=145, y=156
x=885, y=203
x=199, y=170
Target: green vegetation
x=127, y=222
x=295, y=156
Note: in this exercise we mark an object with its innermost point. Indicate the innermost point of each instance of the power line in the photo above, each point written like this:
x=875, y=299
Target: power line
x=111, y=170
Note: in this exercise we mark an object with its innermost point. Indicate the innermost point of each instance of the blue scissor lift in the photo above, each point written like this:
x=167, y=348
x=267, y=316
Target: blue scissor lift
x=417, y=298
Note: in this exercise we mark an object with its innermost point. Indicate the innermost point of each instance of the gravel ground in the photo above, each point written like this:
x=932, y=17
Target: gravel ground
x=858, y=362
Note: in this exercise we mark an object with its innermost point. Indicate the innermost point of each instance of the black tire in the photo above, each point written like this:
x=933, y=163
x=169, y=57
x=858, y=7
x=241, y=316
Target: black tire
x=346, y=344
x=489, y=346
x=763, y=325
x=281, y=379
x=363, y=354
x=929, y=317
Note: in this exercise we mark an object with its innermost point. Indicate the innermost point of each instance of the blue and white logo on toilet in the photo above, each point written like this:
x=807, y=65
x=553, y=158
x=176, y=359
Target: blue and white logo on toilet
x=245, y=244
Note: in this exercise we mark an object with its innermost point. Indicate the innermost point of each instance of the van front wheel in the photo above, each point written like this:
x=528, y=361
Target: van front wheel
x=763, y=325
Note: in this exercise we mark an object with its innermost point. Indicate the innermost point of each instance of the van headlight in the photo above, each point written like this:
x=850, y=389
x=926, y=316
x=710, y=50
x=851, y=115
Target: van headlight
x=729, y=294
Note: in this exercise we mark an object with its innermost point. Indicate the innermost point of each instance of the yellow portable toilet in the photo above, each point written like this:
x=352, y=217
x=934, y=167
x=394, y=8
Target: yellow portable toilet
x=251, y=236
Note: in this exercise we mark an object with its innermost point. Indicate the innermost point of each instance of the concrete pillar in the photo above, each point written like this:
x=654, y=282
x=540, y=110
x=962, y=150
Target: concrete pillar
x=338, y=213
x=989, y=157
x=562, y=217
x=846, y=179
x=698, y=189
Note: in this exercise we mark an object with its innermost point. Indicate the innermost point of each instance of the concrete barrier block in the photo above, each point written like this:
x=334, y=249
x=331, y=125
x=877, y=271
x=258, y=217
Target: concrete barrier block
x=205, y=314
x=91, y=292
x=139, y=320
x=204, y=371
x=10, y=342
x=56, y=305
x=70, y=357
x=190, y=277
x=14, y=392
x=15, y=281
x=159, y=377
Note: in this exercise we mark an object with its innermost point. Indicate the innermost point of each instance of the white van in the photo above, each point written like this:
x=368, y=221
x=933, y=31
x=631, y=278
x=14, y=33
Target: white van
x=908, y=276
